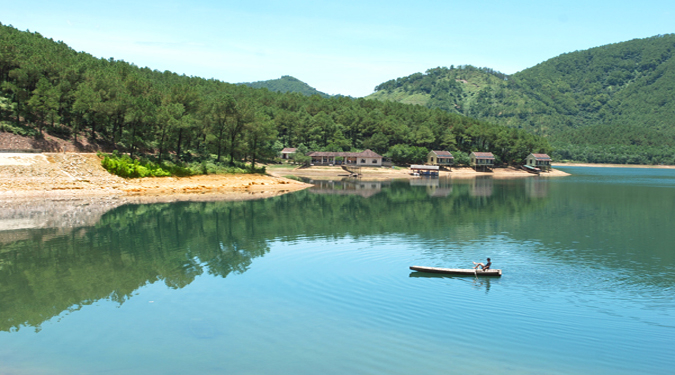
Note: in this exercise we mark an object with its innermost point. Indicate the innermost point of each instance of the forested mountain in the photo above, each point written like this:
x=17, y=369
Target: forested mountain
x=49, y=87
x=287, y=84
x=607, y=104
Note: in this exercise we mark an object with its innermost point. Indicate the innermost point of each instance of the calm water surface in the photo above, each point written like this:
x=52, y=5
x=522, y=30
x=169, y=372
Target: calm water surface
x=318, y=282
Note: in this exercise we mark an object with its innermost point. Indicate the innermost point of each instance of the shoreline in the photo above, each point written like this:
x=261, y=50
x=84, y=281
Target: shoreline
x=613, y=165
x=157, y=189
x=80, y=175
x=384, y=173
x=72, y=176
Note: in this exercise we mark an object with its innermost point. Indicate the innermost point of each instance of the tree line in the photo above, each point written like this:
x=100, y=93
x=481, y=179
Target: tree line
x=608, y=98
x=48, y=87
x=287, y=84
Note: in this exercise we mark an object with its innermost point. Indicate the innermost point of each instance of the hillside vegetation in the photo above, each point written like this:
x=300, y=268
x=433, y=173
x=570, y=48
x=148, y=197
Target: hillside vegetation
x=49, y=88
x=607, y=104
x=287, y=84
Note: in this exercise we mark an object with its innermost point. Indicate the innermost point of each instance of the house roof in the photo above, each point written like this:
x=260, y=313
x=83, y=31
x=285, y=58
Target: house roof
x=288, y=150
x=483, y=155
x=541, y=157
x=327, y=153
x=363, y=154
x=368, y=154
x=443, y=154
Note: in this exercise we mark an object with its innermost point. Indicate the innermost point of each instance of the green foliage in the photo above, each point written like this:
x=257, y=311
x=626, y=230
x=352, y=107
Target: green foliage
x=165, y=116
x=615, y=154
x=128, y=167
x=405, y=154
x=461, y=158
x=6, y=126
x=300, y=156
x=287, y=84
x=615, y=95
x=125, y=166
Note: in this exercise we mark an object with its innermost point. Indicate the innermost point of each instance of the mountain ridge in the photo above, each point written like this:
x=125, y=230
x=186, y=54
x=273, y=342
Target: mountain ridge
x=619, y=94
x=48, y=88
x=287, y=84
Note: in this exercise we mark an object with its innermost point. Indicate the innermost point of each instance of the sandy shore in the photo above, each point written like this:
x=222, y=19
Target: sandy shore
x=64, y=175
x=68, y=175
x=368, y=173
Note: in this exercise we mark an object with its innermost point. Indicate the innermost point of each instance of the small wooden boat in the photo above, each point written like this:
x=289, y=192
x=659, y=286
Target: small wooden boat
x=531, y=169
x=458, y=271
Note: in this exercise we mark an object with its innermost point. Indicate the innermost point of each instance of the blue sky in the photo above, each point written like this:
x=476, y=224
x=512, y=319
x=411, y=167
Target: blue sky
x=339, y=47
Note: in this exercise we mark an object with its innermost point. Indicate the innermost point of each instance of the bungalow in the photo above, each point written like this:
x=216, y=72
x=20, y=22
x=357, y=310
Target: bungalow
x=444, y=158
x=365, y=158
x=286, y=153
x=482, y=159
x=541, y=161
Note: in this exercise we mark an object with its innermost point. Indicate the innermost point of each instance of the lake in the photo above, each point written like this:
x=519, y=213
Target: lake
x=318, y=281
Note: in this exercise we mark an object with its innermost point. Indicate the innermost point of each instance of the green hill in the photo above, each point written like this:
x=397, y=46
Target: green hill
x=607, y=104
x=47, y=87
x=287, y=84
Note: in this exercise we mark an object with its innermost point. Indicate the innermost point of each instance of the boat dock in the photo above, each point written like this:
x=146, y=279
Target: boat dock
x=424, y=170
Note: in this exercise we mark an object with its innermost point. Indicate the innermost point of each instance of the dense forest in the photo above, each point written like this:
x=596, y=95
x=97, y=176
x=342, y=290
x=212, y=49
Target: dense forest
x=606, y=104
x=49, y=87
x=287, y=84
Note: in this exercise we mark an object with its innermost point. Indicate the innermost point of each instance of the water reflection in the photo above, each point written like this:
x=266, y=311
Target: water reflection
x=347, y=186
x=132, y=246
x=537, y=187
x=46, y=270
x=482, y=186
x=436, y=187
x=479, y=283
x=482, y=283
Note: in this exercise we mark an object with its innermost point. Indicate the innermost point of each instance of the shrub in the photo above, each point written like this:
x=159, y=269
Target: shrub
x=125, y=166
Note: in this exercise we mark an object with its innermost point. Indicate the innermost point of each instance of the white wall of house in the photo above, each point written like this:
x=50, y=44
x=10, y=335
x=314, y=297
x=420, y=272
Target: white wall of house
x=369, y=162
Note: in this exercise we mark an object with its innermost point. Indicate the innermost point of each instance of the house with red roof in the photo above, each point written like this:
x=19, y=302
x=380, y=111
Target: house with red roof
x=482, y=160
x=440, y=158
x=365, y=158
x=541, y=161
x=287, y=152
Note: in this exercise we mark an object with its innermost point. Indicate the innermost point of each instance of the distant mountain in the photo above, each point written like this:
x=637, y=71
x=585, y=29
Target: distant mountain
x=287, y=84
x=613, y=103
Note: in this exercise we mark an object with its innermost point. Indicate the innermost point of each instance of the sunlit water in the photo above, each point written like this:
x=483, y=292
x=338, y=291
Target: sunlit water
x=318, y=282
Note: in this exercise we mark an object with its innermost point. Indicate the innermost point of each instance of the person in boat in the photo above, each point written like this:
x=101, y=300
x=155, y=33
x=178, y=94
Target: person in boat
x=482, y=266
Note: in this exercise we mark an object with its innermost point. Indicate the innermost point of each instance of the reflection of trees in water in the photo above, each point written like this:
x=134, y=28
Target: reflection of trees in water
x=611, y=225
x=131, y=246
